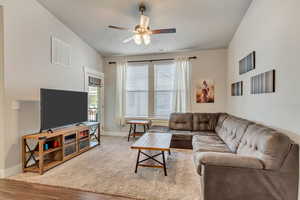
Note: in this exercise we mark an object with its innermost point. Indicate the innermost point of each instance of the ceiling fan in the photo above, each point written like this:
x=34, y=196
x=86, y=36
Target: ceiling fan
x=142, y=31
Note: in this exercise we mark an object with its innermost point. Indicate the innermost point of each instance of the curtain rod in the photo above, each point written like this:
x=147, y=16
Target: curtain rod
x=165, y=59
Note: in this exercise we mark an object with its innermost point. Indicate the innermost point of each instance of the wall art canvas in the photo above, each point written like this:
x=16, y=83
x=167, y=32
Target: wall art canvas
x=237, y=89
x=263, y=83
x=247, y=64
x=205, y=91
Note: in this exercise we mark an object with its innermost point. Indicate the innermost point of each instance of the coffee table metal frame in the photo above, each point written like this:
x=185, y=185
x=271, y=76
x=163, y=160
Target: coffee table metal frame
x=134, y=123
x=155, y=147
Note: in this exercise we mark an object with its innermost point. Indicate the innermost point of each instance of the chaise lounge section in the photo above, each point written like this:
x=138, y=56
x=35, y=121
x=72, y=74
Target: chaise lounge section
x=236, y=158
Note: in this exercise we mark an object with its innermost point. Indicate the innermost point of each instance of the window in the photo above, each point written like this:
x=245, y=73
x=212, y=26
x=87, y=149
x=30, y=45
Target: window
x=164, y=88
x=137, y=90
x=149, y=89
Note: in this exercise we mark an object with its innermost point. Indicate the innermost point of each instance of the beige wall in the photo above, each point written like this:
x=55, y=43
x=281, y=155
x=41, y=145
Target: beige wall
x=1, y=95
x=210, y=64
x=272, y=29
x=28, y=28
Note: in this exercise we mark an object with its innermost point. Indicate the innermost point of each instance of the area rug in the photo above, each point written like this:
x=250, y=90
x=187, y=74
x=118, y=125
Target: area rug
x=109, y=169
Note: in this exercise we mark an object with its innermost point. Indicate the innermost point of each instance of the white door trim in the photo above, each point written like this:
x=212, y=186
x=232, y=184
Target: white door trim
x=97, y=74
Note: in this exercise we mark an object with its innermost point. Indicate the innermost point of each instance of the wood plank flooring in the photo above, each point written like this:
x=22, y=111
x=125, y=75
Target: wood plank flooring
x=16, y=190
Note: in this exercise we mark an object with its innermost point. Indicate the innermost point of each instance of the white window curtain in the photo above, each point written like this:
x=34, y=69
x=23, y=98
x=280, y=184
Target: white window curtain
x=121, y=92
x=182, y=85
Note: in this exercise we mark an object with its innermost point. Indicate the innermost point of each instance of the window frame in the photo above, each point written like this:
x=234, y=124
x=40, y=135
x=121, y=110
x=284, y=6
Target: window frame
x=147, y=91
x=155, y=91
x=151, y=92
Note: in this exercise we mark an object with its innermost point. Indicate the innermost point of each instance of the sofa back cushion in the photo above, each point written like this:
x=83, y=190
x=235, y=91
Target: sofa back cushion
x=232, y=131
x=221, y=119
x=181, y=121
x=205, y=121
x=266, y=144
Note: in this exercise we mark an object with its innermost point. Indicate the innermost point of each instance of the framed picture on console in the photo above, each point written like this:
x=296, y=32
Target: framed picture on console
x=263, y=83
x=247, y=64
x=237, y=89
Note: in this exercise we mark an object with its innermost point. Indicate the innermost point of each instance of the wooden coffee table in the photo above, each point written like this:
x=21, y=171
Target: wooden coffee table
x=153, y=142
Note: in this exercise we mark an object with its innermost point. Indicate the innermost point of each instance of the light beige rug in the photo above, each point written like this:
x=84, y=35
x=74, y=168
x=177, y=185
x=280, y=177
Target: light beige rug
x=109, y=169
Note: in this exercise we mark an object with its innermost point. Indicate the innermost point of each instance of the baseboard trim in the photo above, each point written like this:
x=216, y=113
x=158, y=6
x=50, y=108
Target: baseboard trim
x=115, y=133
x=4, y=173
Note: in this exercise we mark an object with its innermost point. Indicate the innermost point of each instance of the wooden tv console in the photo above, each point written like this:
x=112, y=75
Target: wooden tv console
x=43, y=151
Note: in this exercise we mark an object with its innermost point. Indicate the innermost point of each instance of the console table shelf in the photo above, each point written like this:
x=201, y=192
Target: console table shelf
x=43, y=151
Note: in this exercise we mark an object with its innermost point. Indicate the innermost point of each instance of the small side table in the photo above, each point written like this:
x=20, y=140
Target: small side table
x=134, y=123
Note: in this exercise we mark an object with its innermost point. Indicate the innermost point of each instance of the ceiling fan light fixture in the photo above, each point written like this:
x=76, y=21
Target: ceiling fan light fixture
x=137, y=39
x=144, y=21
x=147, y=39
x=142, y=31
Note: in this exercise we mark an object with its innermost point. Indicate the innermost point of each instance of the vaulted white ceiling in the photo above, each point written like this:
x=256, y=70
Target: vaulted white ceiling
x=200, y=24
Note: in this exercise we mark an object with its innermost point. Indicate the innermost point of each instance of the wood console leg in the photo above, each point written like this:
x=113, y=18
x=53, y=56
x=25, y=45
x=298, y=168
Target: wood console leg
x=23, y=153
x=41, y=157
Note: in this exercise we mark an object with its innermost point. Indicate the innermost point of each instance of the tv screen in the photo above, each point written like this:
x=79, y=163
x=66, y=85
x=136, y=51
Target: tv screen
x=60, y=108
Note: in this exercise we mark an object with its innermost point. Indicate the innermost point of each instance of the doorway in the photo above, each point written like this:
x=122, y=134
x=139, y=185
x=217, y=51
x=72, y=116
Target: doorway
x=94, y=102
x=94, y=85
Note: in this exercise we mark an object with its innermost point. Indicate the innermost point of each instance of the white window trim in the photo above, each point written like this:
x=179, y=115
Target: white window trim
x=151, y=96
x=97, y=74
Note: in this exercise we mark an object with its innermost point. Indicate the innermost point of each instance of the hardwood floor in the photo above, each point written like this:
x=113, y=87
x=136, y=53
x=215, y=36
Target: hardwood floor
x=16, y=190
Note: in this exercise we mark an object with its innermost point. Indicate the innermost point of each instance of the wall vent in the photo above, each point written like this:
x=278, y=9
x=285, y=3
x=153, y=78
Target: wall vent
x=60, y=52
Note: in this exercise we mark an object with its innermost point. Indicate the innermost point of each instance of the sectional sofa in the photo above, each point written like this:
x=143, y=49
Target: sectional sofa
x=237, y=159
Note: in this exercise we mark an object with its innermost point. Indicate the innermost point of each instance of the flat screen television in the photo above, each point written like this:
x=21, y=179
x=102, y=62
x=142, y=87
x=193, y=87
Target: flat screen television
x=61, y=108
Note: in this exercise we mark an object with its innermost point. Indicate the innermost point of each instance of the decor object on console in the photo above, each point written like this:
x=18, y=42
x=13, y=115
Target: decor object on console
x=205, y=91
x=237, y=89
x=263, y=83
x=247, y=64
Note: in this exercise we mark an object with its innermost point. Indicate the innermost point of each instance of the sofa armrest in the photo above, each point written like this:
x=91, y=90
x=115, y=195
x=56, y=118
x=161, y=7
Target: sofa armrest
x=227, y=160
x=236, y=183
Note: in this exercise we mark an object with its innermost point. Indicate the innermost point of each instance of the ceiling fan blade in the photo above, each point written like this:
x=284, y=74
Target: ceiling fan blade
x=128, y=39
x=119, y=28
x=144, y=21
x=160, y=31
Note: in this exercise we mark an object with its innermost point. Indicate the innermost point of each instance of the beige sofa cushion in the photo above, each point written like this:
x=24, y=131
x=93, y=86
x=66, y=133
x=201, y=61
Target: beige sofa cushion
x=210, y=139
x=181, y=121
x=232, y=131
x=265, y=144
x=205, y=121
x=226, y=160
x=221, y=120
x=209, y=144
